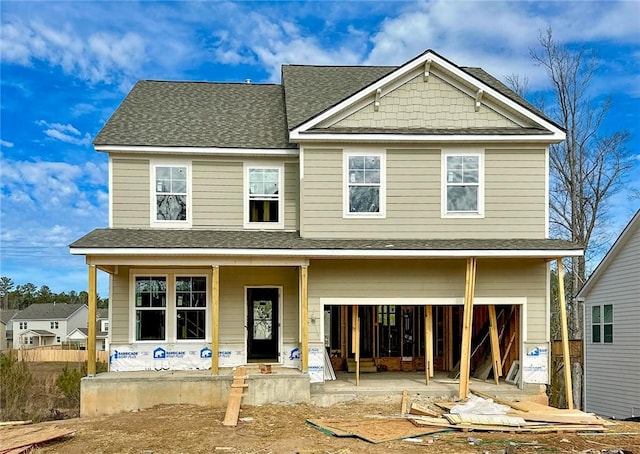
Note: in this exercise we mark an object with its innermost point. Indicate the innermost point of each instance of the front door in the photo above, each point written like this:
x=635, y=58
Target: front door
x=262, y=324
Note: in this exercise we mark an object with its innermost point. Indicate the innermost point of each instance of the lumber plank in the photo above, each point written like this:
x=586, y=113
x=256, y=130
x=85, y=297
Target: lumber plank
x=404, y=403
x=23, y=438
x=511, y=404
x=235, y=397
x=417, y=409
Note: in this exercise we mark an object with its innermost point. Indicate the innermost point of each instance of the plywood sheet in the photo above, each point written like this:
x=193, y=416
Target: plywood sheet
x=16, y=440
x=375, y=430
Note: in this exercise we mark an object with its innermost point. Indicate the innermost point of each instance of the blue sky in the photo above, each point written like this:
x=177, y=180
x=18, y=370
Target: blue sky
x=65, y=67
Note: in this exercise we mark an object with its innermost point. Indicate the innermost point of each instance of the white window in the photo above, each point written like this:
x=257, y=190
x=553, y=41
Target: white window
x=263, y=201
x=170, y=308
x=364, y=184
x=463, y=188
x=191, y=307
x=151, y=307
x=170, y=205
x=602, y=324
x=58, y=339
x=54, y=325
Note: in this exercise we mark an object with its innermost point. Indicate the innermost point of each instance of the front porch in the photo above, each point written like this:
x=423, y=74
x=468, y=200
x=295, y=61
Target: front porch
x=115, y=392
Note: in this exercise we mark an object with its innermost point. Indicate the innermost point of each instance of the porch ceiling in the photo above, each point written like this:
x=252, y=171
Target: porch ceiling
x=138, y=242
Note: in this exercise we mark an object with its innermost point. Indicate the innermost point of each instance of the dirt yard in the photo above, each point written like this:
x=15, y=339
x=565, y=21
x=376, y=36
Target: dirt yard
x=283, y=429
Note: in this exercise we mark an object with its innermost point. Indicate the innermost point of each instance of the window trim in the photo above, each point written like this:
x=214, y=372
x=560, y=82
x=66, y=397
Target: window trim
x=171, y=309
x=248, y=166
x=602, y=323
x=382, y=213
x=154, y=222
x=444, y=186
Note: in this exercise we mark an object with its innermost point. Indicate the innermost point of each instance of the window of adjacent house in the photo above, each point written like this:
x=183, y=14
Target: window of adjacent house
x=58, y=339
x=364, y=185
x=170, y=193
x=150, y=308
x=54, y=325
x=462, y=191
x=264, y=202
x=191, y=307
x=602, y=324
x=23, y=325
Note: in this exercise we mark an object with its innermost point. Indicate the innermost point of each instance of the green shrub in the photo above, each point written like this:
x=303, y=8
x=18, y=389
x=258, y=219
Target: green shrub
x=16, y=379
x=68, y=383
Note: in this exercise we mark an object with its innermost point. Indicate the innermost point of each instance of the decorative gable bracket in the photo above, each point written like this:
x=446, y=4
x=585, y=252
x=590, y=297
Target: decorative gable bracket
x=376, y=103
x=479, y=95
x=427, y=69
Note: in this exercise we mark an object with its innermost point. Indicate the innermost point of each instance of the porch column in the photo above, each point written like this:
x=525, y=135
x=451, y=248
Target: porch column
x=565, y=336
x=304, y=318
x=215, y=320
x=465, y=351
x=91, y=325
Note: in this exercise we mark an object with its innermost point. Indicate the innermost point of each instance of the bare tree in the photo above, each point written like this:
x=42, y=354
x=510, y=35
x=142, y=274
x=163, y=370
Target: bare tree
x=589, y=166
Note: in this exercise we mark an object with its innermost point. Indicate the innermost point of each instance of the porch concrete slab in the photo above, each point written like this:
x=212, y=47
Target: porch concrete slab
x=391, y=383
x=115, y=392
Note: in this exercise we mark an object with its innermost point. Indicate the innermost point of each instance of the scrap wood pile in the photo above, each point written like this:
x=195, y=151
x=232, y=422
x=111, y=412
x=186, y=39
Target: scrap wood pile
x=473, y=414
x=17, y=438
x=486, y=414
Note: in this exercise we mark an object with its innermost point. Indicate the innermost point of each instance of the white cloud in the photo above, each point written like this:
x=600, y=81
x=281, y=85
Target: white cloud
x=65, y=133
x=6, y=143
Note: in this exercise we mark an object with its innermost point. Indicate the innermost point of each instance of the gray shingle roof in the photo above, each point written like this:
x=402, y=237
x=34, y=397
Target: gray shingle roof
x=99, y=334
x=199, y=114
x=259, y=239
x=309, y=90
x=47, y=312
x=7, y=314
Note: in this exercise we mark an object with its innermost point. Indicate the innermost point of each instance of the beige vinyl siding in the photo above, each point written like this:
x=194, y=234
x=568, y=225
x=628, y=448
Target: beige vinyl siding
x=291, y=195
x=435, y=103
x=217, y=187
x=119, y=301
x=217, y=197
x=514, y=196
x=612, y=371
x=430, y=279
x=130, y=192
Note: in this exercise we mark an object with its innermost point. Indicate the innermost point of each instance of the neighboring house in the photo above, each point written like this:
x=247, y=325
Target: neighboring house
x=267, y=222
x=47, y=324
x=6, y=328
x=611, y=298
x=79, y=335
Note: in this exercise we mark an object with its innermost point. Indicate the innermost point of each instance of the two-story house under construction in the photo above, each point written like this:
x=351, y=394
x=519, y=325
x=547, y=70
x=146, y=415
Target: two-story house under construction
x=398, y=214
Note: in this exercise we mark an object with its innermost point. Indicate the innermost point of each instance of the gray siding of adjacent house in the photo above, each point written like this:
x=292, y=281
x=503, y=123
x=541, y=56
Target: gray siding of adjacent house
x=514, y=198
x=232, y=300
x=391, y=281
x=216, y=189
x=612, y=371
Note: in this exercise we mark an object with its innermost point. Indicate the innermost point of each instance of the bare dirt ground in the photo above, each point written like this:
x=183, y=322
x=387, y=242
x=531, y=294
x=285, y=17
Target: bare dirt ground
x=283, y=429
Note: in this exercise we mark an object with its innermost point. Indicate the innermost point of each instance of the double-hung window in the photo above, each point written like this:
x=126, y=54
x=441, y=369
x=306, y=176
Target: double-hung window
x=191, y=307
x=170, y=194
x=602, y=324
x=463, y=191
x=264, y=202
x=150, y=308
x=364, y=184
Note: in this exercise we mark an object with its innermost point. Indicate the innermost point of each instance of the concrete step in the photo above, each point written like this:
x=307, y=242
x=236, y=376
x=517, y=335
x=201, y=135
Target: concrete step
x=366, y=365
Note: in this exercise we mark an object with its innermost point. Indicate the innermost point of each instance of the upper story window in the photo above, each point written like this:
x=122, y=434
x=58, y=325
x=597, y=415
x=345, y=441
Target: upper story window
x=54, y=325
x=463, y=186
x=602, y=324
x=23, y=325
x=170, y=193
x=364, y=184
x=264, y=202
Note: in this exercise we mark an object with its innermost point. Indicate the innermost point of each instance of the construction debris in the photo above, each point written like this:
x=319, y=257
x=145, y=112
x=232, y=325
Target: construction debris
x=17, y=440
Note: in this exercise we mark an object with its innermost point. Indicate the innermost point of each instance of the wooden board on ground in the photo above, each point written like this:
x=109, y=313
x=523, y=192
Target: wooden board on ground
x=487, y=420
x=235, y=396
x=376, y=430
x=23, y=439
x=417, y=409
x=542, y=428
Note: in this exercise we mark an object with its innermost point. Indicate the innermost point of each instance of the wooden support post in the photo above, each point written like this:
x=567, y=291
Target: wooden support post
x=465, y=351
x=92, y=317
x=355, y=339
x=304, y=318
x=495, y=344
x=428, y=342
x=565, y=336
x=215, y=319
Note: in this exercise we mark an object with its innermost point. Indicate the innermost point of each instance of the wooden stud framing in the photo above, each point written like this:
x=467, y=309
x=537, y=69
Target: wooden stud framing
x=565, y=336
x=215, y=319
x=304, y=318
x=465, y=351
x=91, y=328
x=355, y=341
x=428, y=343
x=495, y=344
